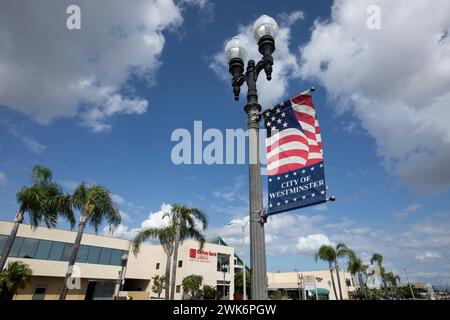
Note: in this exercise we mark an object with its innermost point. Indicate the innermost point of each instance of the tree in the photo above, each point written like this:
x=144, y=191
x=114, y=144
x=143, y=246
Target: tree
x=238, y=289
x=191, y=287
x=393, y=280
x=378, y=258
x=328, y=254
x=210, y=293
x=166, y=237
x=159, y=283
x=355, y=266
x=95, y=205
x=185, y=221
x=44, y=201
x=16, y=276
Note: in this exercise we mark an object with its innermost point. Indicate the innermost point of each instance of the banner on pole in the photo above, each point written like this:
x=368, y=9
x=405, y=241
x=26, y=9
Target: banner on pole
x=294, y=153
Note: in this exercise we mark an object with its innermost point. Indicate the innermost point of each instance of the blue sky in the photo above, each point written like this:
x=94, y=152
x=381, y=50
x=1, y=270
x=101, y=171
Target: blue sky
x=102, y=110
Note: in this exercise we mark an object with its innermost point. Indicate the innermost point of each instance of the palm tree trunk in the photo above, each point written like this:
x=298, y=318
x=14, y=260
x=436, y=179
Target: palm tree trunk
x=338, y=277
x=167, y=278
x=175, y=260
x=9, y=243
x=362, y=285
x=72, y=259
x=332, y=282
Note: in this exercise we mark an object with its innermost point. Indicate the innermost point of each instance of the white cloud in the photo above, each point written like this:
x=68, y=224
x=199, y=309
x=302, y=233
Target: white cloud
x=394, y=80
x=125, y=216
x=55, y=72
x=428, y=255
x=310, y=244
x=405, y=213
x=156, y=219
x=285, y=65
x=33, y=145
x=234, y=192
x=122, y=231
x=3, y=179
x=117, y=199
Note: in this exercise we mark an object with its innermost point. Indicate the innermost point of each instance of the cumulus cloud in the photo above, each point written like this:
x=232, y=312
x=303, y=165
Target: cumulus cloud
x=396, y=85
x=55, y=72
x=405, y=213
x=285, y=67
x=310, y=244
x=117, y=199
x=428, y=255
x=3, y=179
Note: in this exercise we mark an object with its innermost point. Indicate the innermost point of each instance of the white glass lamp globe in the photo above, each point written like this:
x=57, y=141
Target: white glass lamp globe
x=265, y=26
x=235, y=49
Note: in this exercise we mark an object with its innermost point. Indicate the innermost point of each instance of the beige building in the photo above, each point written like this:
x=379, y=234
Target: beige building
x=298, y=285
x=101, y=260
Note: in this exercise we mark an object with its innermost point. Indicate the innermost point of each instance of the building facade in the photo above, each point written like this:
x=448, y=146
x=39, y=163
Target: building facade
x=102, y=260
x=310, y=285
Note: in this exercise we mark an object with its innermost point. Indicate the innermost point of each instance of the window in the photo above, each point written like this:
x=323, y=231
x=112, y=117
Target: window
x=116, y=257
x=28, y=249
x=66, y=253
x=56, y=251
x=3, y=240
x=16, y=247
x=348, y=282
x=180, y=263
x=222, y=261
x=105, y=256
x=178, y=289
x=43, y=250
x=39, y=293
x=94, y=254
x=157, y=266
x=83, y=253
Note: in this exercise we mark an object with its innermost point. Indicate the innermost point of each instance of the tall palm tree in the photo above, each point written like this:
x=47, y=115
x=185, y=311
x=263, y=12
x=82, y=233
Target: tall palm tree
x=44, y=201
x=341, y=251
x=328, y=254
x=16, y=276
x=355, y=266
x=393, y=280
x=166, y=237
x=95, y=205
x=185, y=221
x=378, y=258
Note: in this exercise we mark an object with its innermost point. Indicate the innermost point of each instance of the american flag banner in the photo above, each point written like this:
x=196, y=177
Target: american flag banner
x=295, y=166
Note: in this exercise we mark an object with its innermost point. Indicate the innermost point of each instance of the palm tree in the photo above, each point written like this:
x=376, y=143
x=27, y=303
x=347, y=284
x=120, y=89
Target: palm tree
x=378, y=258
x=44, y=201
x=95, y=205
x=355, y=266
x=392, y=279
x=166, y=237
x=328, y=254
x=16, y=276
x=341, y=251
x=185, y=221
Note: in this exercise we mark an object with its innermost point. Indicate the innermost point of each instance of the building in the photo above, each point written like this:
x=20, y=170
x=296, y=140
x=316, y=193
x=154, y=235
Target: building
x=374, y=279
x=298, y=285
x=99, y=264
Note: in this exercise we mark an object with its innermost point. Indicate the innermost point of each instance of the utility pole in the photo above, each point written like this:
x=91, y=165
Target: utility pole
x=410, y=286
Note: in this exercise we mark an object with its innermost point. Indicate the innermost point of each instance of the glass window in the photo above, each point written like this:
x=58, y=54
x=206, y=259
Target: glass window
x=43, y=250
x=83, y=253
x=157, y=266
x=28, y=248
x=16, y=247
x=3, y=240
x=180, y=263
x=94, y=254
x=66, y=253
x=39, y=293
x=223, y=261
x=56, y=251
x=116, y=257
x=178, y=289
x=105, y=256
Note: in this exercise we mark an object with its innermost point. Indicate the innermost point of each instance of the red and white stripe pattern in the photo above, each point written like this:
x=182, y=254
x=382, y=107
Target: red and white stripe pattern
x=293, y=135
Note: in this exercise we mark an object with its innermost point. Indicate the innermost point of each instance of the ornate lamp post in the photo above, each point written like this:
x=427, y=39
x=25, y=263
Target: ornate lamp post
x=265, y=31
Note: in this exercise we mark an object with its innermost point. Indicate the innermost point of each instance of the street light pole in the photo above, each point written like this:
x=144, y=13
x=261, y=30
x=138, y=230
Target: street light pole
x=244, y=271
x=265, y=31
x=409, y=283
